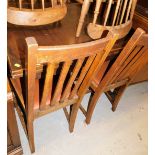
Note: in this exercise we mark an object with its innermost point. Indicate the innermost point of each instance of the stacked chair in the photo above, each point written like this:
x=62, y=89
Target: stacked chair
x=117, y=17
x=34, y=12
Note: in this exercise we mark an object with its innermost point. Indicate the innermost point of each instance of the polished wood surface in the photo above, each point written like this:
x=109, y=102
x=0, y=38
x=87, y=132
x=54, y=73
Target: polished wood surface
x=76, y=65
x=13, y=140
x=121, y=73
x=60, y=33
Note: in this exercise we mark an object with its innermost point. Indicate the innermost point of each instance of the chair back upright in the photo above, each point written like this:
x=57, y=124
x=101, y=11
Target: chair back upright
x=77, y=64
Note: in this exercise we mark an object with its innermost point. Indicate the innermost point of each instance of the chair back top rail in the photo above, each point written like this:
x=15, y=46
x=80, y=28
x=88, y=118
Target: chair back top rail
x=35, y=12
x=54, y=53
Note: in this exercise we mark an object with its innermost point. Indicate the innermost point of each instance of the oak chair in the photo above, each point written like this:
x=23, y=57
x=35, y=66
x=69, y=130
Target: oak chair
x=68, y=72
x=121, y=73
x=117, y=16
x=35, y=12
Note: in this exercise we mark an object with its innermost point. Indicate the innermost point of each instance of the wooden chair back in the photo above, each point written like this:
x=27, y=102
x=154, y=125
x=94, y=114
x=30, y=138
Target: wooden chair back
x=78, y=64
x=34, y=12
x=131, y=59
x=117, y=16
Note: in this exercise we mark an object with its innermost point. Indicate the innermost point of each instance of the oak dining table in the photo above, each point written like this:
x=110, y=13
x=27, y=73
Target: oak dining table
x=59, y=33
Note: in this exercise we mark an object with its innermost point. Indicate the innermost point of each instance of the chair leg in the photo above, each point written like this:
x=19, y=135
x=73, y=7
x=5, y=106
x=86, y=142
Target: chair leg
x=30, y=131
x=118, y=97
x=73, y=114
x=91, y=106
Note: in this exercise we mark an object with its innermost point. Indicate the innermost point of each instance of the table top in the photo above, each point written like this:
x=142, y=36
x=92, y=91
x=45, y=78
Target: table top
x=60, y=33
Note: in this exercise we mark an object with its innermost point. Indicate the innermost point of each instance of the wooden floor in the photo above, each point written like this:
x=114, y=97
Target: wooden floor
x=123, y=132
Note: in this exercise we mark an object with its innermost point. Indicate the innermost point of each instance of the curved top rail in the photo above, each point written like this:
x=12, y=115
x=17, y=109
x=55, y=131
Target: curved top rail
x=34, y=12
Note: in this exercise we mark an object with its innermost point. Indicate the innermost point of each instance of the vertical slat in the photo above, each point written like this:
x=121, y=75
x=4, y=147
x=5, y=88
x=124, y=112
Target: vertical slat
x=90, y=71
x=36, y=94
x=132, y=71
x=43, y=4
x=96, y=12
x=107, y=12
x=132, y=68
x=128, y=11
x=119, y=12
x=133, y=8
x=132, y=63
x=59, y=86
x=32, y=4
x=97, y=63
x=101, y=72
x=20, y=4
x=82, y=75
x=71, y=80
x=126, y=51
x=143, y=62
x=47, y=85
x=123, y=12
x=126, y=61
x=116, y=12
